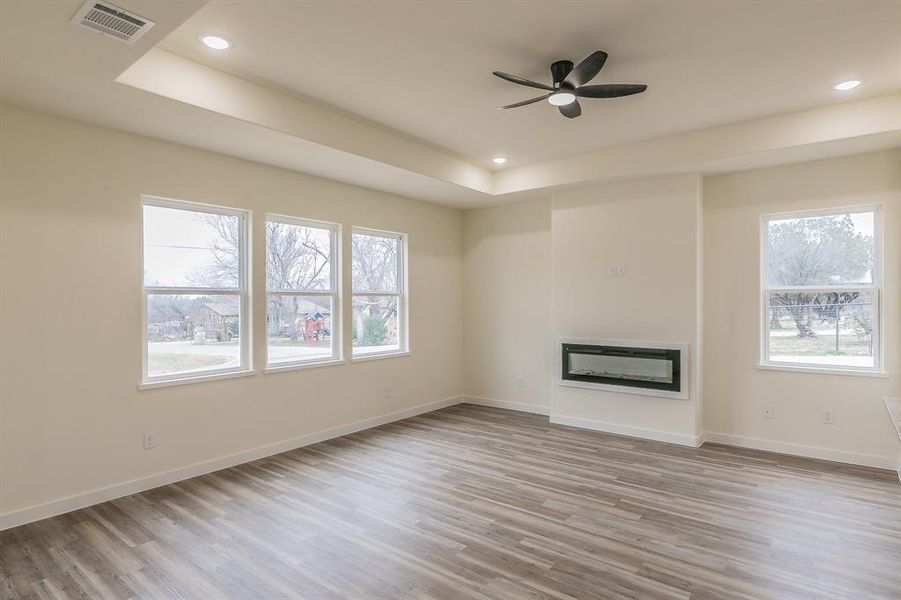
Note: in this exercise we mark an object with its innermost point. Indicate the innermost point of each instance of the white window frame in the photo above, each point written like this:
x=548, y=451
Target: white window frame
x=335, y=294
x=403, y=320
x=874, y=288
x=241, y=292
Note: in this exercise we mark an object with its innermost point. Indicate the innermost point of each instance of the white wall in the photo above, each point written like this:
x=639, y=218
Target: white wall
x=507, y=304
x=71, y=417
x=734, y=388
x=652, y=227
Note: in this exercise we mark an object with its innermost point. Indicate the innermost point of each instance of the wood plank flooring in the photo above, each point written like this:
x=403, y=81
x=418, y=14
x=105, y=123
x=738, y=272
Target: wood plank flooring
x=473, y=502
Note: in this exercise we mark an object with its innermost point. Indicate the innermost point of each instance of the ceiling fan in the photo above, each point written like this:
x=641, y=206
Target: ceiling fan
x=569, y=85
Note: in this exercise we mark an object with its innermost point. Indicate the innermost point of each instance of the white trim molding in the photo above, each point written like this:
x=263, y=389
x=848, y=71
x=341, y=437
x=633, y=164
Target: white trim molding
x=840, y=456
x=134, y=486
x=535, y=409
x=681, y=439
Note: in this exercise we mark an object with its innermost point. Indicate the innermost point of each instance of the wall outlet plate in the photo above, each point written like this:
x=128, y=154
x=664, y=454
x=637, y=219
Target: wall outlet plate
x=149, y=440
x=766, y=412
x=829, y=416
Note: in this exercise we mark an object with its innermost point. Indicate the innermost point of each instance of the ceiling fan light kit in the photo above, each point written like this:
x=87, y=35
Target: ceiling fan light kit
x=570, y=84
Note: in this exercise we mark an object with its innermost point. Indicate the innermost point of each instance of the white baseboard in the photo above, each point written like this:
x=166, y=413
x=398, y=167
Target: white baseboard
x=841, y=456
x=537, y=409
x=647, y=434
x=83, y=500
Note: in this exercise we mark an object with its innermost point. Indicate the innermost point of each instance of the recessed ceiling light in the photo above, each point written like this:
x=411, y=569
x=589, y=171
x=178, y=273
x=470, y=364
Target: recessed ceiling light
x=847, y=85
x=215, y=42
x=499, y=160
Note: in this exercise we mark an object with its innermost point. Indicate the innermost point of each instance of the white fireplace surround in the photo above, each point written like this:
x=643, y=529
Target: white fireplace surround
x=682, y=394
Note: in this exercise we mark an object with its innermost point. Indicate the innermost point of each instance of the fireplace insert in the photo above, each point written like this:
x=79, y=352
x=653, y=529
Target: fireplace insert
x=643, y=368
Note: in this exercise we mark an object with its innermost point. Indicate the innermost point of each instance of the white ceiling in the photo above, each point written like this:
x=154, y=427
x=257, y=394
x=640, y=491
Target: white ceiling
x=424, y=68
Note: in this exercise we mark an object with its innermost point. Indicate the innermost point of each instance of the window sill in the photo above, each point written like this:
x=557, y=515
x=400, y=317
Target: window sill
x=378, y=355
x=823, y=370
x=281, y=368
x=163, y=383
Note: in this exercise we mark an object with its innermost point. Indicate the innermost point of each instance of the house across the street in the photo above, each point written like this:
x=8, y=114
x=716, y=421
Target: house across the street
x=218, y=320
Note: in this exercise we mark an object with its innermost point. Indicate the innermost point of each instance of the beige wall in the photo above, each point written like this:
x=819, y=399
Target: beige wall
x=71, y=418
x=651, y=227
x=507, y=303
x=515, y=276
x=734, y=388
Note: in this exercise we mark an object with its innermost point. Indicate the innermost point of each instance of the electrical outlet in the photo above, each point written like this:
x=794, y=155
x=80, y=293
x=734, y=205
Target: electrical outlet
x=620, y=270
x=521, y=381
x=149, y=440
x=386, y=393
x=829, y=416
x=766, y=412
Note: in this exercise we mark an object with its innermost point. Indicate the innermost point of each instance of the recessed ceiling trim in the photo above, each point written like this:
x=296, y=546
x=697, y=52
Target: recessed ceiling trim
x=790, y=135
x=181, y=79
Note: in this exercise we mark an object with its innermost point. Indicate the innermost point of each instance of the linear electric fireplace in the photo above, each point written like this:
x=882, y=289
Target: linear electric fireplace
x=632, y=367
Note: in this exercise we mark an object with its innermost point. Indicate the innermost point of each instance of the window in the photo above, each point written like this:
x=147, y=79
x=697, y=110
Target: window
x=302, y=308
x=195, y=290
x=379, y=296
x=821, y=290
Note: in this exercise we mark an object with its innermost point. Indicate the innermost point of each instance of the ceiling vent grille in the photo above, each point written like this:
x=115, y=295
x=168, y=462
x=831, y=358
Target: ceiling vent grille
x=112, y=20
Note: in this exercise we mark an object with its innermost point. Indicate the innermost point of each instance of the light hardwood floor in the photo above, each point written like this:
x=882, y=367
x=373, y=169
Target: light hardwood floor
x=472, y=502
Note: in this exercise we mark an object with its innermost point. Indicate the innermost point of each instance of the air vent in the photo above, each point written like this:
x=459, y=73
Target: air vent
x=112, y=20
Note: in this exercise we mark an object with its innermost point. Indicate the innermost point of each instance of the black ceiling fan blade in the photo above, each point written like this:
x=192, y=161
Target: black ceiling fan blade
x=610, y=90
x=571, y=110
x=523, y=81
x=524, y=102
x=586, y=70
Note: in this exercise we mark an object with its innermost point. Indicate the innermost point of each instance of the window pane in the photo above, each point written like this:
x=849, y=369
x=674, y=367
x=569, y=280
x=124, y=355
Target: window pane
x=192, y=334
x=189, y=248
x=375, y=259
x=821, y=251
x=298, y=328
x=827, y=329
x=375, y=324
x=297, y=257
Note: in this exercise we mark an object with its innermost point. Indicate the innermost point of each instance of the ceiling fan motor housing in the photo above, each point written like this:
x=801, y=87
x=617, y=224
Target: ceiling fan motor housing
x=559, y=70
